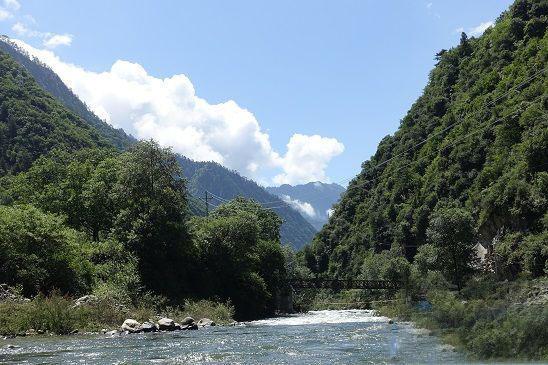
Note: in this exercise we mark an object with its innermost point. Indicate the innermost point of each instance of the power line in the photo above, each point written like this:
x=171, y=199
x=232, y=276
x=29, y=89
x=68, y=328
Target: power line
x=453, y=124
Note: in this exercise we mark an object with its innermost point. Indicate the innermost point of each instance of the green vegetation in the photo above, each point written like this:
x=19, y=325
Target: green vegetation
x=490, y=319
x=57, y=314
x=117, y=225
x=454, y=204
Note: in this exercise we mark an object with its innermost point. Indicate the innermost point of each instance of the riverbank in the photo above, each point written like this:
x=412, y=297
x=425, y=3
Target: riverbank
x=489, y=320
x=60, y=315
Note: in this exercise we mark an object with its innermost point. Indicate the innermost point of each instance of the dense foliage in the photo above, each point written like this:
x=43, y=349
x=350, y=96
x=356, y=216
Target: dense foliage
x=468, y=164
x=117, y=224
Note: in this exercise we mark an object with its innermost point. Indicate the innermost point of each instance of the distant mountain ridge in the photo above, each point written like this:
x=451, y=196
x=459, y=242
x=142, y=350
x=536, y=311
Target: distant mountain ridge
x=314, y=200
x=55, y=126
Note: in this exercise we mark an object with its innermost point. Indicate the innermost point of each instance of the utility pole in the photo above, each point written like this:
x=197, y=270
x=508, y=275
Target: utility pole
x=207, y=204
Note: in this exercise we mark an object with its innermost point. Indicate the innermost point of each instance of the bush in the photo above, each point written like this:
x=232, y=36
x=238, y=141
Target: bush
x=38, y=252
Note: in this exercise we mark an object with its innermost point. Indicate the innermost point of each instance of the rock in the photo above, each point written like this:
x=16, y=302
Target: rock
x=112, y=333
x=205, y=322
x=447, y=348
x=192, y=326
x=390, y=321
x=187, y=321
x=131, y=326
x=148, y=327
x=10, y=346
x=86, y=300
x=166, y=324
x=73, y=332
x=30, y=332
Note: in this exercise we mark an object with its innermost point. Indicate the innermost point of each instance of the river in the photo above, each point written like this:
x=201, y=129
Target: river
x=322, y=337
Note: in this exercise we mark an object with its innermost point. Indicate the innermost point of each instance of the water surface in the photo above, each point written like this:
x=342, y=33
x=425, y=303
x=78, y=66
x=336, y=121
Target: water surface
x=322, y=337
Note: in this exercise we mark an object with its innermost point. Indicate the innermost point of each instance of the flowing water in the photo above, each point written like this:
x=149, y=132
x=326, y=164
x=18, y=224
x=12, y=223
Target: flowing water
x=322, y=337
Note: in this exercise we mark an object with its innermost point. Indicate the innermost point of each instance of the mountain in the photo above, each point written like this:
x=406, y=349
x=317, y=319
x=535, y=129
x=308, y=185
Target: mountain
x=32, y=122
x=52, y=83
x=38, y=113
x=227, y=184
x=476, y=140
x=313, y=200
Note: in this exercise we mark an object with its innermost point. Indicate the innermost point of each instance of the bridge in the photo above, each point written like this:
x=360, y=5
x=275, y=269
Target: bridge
x=339, y=284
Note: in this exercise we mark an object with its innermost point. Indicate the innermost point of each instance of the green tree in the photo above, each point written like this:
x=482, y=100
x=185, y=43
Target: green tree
x=452, y=233
x=150, y=196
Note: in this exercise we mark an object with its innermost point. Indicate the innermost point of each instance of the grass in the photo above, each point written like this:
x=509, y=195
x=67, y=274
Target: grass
x=57, y=314
x=490, y=320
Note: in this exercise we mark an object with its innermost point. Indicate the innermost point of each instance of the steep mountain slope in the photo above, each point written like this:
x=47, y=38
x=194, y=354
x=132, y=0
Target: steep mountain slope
x=228, y=184
x=476, y=139
x=314, y=200
x=51, y=82
x=32, y=122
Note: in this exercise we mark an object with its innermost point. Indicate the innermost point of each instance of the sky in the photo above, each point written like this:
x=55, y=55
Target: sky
x=282, y=91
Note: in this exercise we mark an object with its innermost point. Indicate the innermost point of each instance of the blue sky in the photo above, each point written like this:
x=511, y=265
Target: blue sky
x=344, y=70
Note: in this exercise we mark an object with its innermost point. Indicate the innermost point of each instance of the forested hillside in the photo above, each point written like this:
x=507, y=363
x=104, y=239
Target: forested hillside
x=51, y=83
x=33, y=123
x=468, y=163
x=43, y=133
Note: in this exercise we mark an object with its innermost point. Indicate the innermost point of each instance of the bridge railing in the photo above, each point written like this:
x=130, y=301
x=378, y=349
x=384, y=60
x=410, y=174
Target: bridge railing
x=316, y=283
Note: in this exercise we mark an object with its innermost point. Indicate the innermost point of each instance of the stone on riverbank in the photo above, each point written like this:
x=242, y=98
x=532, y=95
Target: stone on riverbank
x=187, y=321
x=166, y=324
x=149, y=327
x=205, y=322
x=86, y=300
x=131, y=326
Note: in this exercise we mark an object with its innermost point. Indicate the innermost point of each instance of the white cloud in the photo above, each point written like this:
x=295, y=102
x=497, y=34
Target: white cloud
x=50, y=40
x=169, y=111
x=477, y=31
x=58, y=40
x=307, y=158
x=429, y=5
x=303, y=207
x=4, y=14
x=12, y=4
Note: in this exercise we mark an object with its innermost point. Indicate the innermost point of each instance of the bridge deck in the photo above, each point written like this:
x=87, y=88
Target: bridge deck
x=344, y=284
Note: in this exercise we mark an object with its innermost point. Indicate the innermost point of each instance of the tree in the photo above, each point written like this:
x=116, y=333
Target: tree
x=451, y=231
x=150, y=196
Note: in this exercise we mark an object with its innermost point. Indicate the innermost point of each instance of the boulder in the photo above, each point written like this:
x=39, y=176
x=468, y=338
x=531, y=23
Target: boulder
x=112, y=333
x=86, y=300
x=187, y=321
x=148, y=327
x=192, y=326
x=205, y=322
x=131, y=326
x=166, y=324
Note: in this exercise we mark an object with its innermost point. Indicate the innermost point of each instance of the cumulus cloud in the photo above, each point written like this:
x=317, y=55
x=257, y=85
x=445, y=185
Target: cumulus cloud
x=169, y=111
x=302, y=207
x=307, y=158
